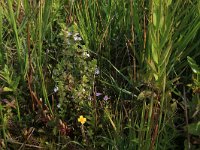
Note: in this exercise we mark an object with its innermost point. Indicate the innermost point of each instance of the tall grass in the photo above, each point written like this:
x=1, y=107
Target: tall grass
x=154, y=38
x=48, y=77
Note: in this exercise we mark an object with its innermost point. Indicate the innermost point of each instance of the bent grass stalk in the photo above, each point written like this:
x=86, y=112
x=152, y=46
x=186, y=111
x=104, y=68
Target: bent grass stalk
x=44, y=10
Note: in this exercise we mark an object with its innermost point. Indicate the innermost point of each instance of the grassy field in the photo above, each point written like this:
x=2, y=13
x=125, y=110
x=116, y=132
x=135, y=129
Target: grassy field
x=100, y=74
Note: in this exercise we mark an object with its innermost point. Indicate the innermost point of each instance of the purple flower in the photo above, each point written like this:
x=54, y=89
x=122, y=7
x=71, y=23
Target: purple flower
x=4, y=101
x=98, y=94
x=106, y=98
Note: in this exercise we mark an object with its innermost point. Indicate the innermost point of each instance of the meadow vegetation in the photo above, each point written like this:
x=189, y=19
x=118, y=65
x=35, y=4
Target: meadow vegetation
x=100, y=74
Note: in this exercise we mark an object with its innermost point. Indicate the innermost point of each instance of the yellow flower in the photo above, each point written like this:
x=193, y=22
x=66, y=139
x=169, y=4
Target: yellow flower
x=81, y=119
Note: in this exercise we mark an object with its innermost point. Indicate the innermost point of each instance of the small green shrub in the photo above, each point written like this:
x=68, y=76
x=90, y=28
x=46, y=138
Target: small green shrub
x=74, y=76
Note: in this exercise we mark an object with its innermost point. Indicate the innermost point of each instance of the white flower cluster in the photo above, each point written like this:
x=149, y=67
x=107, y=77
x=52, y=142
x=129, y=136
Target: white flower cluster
x=77, y=37
x=85, y=54
x=97, y=71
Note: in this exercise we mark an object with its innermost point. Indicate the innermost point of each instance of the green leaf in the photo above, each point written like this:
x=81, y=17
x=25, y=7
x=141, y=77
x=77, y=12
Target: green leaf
x=174, y=106
x=155, y=54
x=155, y=76
x=195, y=68
x=152, y=66
x=165, y=56
x=194, y=128
x=7, y=89
x=154, y=19
x=169, y=2
x=146, y=94
x=85, y=79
